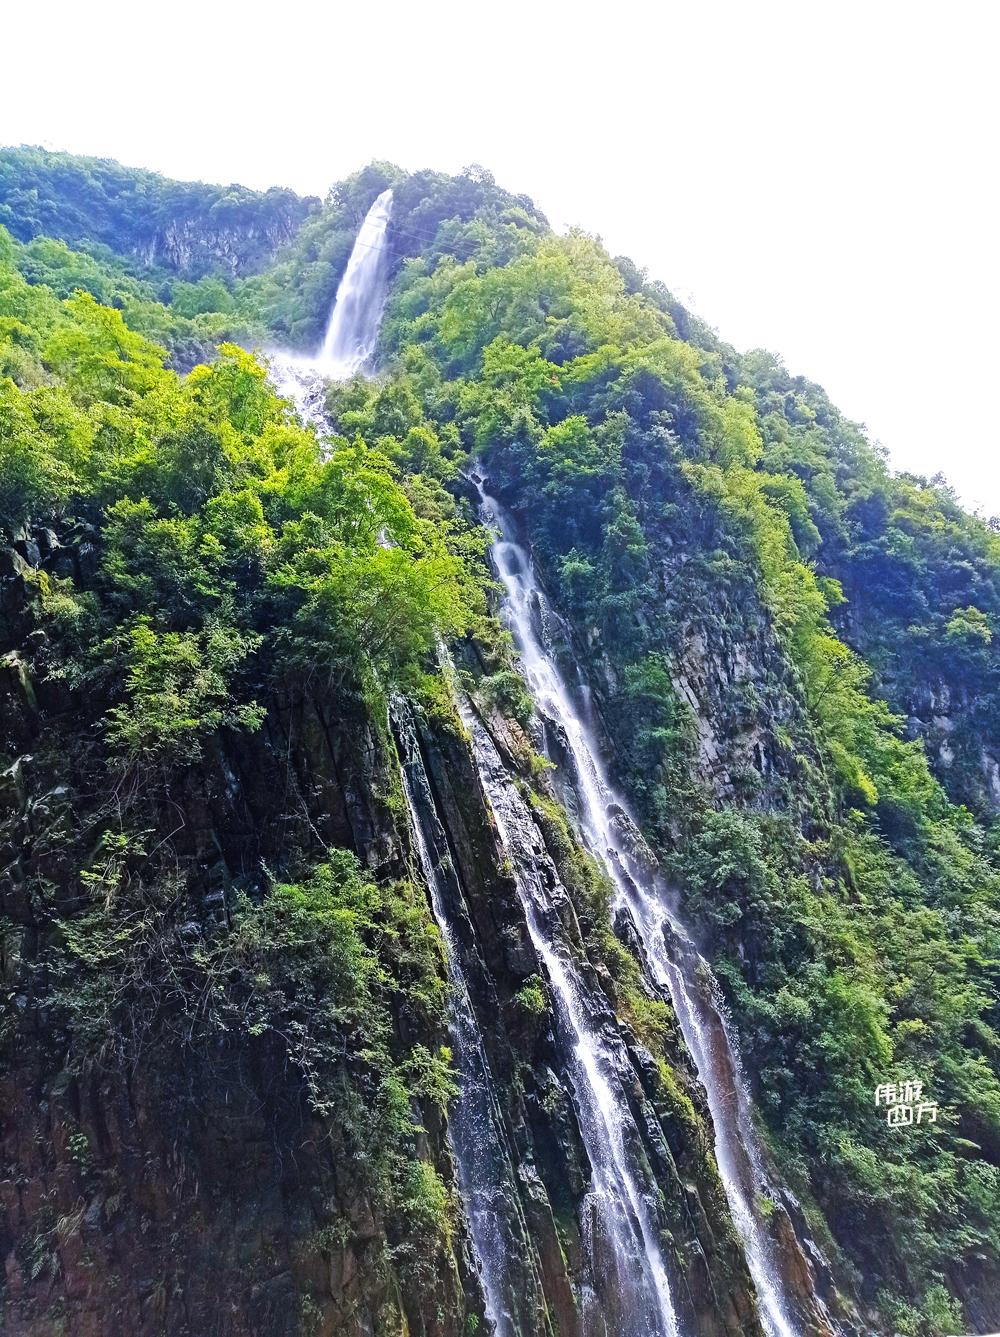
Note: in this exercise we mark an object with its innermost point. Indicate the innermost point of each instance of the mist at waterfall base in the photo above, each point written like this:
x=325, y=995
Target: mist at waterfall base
x=611, y=835
x=353, y=328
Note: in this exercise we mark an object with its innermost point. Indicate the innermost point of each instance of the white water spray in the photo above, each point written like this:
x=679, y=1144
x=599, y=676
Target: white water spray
x=611, y=835
x=475, y=1122
x=353, y=328
x=352, y=333
x=623, y=1206
x=622, y=1209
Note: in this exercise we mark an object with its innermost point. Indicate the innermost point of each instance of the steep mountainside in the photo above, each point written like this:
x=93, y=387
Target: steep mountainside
x=183, y=226
x=368, y=970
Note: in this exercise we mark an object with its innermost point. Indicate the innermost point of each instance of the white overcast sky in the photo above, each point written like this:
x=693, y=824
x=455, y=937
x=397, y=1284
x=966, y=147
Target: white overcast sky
x=816, y=178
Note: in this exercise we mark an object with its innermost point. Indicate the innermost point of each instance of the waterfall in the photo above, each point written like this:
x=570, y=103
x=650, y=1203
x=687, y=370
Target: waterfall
x=475, y=1124
x=623, y=1216
x=352, y=333
x=353, y=328
x=612, y=836
x=621, y=1221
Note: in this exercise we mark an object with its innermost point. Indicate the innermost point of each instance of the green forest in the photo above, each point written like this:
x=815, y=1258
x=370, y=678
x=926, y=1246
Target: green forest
x=183, y=558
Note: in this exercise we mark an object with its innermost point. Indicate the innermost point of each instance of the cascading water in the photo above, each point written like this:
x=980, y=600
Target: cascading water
x=352, y=333
x=475, y=1123
x=613, y=837
x=622, y=1223
x=623, y=1209
x=622, y=1217
x=353, y=328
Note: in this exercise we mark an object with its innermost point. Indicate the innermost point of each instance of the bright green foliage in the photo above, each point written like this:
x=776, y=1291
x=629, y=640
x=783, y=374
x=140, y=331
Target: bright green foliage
x=716, y=532
x=320, y=965
x=235, y=389
x=205, y=556
x=177, y=690
x=98, y=203
x=910, y=561
x=362, y=601
x=216, y=509
x=852, y=909
x=101, y=358
x=531, y=996
x=31, y=471
x=44, y=269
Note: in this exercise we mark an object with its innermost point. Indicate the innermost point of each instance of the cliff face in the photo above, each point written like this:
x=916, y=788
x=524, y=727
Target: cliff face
x=739, y=709
x=197, y=1191
x=247, y=801
x=188, y=227
x=941, y=681
x=529, y=1060
x=185, y=1191
x=240, y=239
x=748, y=746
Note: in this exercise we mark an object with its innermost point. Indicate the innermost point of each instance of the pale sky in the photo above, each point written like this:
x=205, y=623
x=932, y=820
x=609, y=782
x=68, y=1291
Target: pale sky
x=815, y=178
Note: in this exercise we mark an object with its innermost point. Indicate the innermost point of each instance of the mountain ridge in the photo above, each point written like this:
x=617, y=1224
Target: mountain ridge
x=201, y=617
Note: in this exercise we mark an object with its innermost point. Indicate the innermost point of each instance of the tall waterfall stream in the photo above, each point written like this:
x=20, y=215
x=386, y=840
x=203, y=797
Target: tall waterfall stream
x=485, y=1176
x=352, y=333
x=621, y=1202
x=612, y=836
x=621, y=1216
x=353, y=328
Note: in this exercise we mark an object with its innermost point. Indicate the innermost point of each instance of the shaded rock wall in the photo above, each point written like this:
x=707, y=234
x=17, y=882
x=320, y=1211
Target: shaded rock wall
x=710, y=1283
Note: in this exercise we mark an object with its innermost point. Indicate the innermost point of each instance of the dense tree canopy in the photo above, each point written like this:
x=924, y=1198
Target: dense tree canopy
x=677, y=495
x=186, y=226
